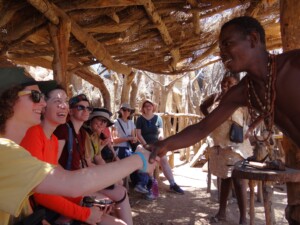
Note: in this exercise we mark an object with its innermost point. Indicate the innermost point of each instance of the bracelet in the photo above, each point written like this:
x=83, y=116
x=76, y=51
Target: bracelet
x=144, y=170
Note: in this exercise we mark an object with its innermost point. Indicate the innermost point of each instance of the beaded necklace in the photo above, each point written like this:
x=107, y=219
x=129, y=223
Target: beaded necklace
x=266, y=111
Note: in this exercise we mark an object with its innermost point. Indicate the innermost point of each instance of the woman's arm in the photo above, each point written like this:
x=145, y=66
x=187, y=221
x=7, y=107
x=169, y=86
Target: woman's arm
x=63, y=206
x=89, y=180
x=140, y=137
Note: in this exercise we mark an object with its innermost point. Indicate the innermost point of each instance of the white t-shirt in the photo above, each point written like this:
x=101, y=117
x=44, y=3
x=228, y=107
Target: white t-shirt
x=128, y=127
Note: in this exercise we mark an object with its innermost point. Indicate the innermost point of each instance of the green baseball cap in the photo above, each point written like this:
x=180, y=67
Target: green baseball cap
x=13, y=76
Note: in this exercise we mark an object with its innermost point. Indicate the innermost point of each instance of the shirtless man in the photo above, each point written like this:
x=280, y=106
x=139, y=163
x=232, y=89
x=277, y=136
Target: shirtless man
x=242, y=48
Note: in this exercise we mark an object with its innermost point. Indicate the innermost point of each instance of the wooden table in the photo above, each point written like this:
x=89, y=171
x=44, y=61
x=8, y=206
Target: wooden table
x=243, y=171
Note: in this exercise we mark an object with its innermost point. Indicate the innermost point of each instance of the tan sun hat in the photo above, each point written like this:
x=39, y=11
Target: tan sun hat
x=102, y=112
x=151, y=102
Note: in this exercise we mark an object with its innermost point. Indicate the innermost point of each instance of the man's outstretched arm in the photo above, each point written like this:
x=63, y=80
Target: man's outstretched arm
x=192, y=134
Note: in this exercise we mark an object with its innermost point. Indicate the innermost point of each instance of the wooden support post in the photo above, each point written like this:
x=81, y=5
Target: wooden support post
x=171, y=160
x=60, y=35
x=259, y=192
x=252, y=212
x=208, y=189
x=269, y=211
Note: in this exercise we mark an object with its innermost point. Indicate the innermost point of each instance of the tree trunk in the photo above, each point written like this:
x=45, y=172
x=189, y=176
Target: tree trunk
x=134, y=90
x=126, y=87
x=290, y=26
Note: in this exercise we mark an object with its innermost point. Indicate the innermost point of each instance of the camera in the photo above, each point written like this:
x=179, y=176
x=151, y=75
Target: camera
x=89, y=201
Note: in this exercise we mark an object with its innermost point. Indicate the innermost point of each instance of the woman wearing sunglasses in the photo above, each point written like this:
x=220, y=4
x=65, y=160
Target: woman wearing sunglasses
x=41, y=143
x=20, y=173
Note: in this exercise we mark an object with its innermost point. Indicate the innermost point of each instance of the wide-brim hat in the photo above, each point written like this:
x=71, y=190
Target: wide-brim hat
x=14, y=76
x=127, y=106
x=102, y=112
x=151, y=102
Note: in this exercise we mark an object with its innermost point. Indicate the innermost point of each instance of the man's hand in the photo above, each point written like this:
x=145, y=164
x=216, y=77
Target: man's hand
x=151, y=166
x=156, y=149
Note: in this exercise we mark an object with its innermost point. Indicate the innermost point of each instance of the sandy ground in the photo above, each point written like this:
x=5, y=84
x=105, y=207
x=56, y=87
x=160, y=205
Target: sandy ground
x=196, y=206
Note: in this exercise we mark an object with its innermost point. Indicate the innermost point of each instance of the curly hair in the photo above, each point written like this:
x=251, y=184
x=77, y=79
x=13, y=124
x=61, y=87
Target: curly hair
x=246, y=25
x=8, y=100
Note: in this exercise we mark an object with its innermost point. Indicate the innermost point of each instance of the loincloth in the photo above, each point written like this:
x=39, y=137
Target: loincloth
x=222, y=161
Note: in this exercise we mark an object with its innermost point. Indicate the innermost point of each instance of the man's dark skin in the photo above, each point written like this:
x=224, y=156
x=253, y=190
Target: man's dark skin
x=242, y=52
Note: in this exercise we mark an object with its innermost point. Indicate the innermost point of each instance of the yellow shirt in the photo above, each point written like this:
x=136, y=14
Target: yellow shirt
x=20, y=173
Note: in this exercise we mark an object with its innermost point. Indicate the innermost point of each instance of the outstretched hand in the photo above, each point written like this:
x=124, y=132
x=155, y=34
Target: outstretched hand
x=150, y=166
x=156, y=149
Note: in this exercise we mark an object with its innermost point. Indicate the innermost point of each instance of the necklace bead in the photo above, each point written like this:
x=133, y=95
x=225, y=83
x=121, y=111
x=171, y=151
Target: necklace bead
x=265, y=110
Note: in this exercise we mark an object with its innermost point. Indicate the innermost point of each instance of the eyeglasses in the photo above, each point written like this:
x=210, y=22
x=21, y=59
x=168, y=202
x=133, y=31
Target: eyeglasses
x=35, y=95
x=82, y=107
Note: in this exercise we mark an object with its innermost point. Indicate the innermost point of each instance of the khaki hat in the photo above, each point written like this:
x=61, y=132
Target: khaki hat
x=151, y=102
x=14, y=76
x=127, y=106
x=102, y=112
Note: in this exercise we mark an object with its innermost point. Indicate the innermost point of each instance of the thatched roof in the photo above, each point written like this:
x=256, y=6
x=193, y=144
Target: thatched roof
x=160, y=36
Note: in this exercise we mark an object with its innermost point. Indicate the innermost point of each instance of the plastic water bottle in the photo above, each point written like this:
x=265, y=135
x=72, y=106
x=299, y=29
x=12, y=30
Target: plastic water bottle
x=154, y=188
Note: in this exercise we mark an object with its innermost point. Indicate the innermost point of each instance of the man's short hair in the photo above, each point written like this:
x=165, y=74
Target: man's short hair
x=246, y=25
x=78, y=98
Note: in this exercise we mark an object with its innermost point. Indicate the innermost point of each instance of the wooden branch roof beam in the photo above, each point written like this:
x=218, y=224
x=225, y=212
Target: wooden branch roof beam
x=160, y=25
x=93, y=46
x=159, y=36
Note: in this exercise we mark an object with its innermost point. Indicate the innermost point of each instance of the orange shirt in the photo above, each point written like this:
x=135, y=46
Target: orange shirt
x=36, y=142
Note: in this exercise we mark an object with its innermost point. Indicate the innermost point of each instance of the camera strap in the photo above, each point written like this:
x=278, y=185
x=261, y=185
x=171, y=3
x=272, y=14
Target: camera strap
x=70, y=147
x=78, y=148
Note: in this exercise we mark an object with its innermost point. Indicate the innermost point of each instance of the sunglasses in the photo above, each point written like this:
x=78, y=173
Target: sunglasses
x=126, y=110
x=35, y=95
x=82, y=107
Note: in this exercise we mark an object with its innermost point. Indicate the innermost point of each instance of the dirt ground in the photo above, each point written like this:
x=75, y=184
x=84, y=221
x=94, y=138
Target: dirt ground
x=196, y=206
